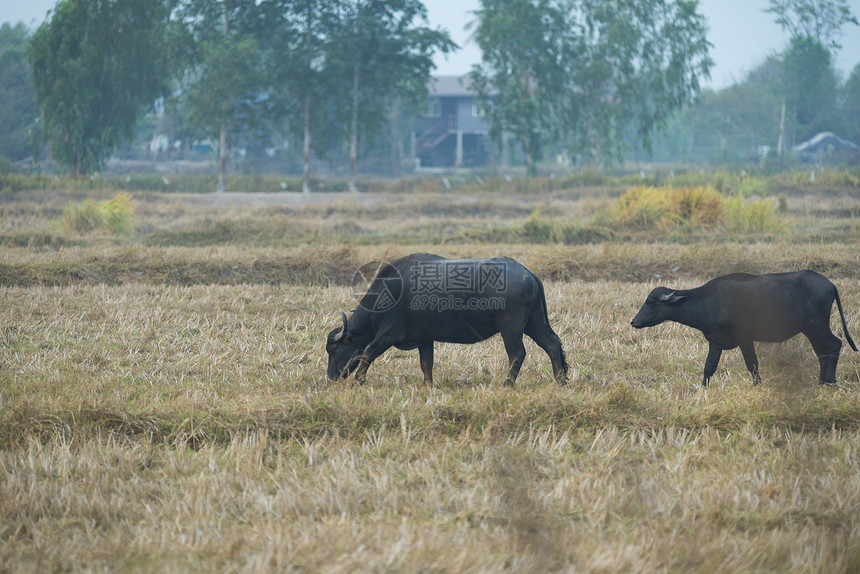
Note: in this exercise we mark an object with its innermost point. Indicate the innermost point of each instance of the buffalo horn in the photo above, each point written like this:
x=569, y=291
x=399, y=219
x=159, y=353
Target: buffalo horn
x=340, y=335
x=667, y=296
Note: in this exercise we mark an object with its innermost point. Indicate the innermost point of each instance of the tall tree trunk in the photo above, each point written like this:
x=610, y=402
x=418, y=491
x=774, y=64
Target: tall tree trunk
x=222, y=158
x=396, y=140
x=306, y=159
x=781, y=139
x=353, y=128
x=527, y=151
x=222, y=141
x=353, y=136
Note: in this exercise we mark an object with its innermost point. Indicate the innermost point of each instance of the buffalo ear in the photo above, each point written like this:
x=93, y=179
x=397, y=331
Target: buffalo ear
x=672, y=298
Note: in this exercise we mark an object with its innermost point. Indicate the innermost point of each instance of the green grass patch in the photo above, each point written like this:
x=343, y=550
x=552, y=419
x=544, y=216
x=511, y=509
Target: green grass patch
x=661, y=209
x=115, y=216
x=757, y=216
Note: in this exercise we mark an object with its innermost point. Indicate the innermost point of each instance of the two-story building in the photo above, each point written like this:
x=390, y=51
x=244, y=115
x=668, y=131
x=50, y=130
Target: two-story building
x=453, y=131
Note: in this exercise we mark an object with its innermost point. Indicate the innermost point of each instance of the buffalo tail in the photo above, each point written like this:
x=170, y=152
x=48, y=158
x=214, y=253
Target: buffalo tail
x=842, y=316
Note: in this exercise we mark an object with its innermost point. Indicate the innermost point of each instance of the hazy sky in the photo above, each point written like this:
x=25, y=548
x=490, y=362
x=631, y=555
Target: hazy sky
x=742, y=35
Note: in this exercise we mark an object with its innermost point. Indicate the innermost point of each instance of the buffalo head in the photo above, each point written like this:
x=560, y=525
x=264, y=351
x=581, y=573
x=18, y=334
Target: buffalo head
x=343, y=354
x=657, y=307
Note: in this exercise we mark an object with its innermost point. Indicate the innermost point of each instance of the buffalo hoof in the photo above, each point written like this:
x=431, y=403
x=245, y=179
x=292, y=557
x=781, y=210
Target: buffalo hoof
x=832, y=383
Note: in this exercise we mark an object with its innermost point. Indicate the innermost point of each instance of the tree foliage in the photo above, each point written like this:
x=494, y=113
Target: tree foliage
x=851, y=105
x=639, y=62
x=740, y=122
x=810, y=86
x=379, y=52
x=295, y=63
x=524, y=47
x=809, y=83
x=96, y=64
x=589, y=73
x=222, y=83
x=326, y=69
x=17, y=111
x=222, y=79
x=728, y=125
x=819, y=20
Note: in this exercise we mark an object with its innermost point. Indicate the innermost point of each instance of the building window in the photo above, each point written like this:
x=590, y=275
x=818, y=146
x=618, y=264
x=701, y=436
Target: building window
x=479, y=110
x=434, y=108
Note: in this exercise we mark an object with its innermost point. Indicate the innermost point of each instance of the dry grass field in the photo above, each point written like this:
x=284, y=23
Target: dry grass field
x=164, y=405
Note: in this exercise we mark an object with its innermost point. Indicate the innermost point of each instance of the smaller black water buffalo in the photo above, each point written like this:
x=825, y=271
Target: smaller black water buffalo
x=422, y=298
x=737, y=309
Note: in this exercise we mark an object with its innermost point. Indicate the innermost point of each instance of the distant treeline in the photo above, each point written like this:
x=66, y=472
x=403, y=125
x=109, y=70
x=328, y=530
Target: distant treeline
x=286, y=85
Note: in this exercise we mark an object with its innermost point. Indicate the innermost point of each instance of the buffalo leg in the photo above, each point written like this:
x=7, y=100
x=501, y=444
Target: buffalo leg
x=377, y=346
x=826, y=347
x=711, y=363
x=547, y=340
x=516, y=355
x=425, y=356
x=751, y=360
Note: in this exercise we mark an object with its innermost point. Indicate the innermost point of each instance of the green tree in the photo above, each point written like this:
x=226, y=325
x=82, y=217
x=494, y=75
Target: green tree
x=298, y=32
x=221, y=96
x=639, y=63
x=96, y=65
x=851, y=106
x=17, y=113
x=379, y=53
x=588, y=74
x=727, y=125
x=809, y=84
x=820, y=20
x=524, y=46
x=810, y=87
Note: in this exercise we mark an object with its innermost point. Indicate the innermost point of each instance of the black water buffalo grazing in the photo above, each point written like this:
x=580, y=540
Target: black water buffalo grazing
x=422, y=298
x=736, y=310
